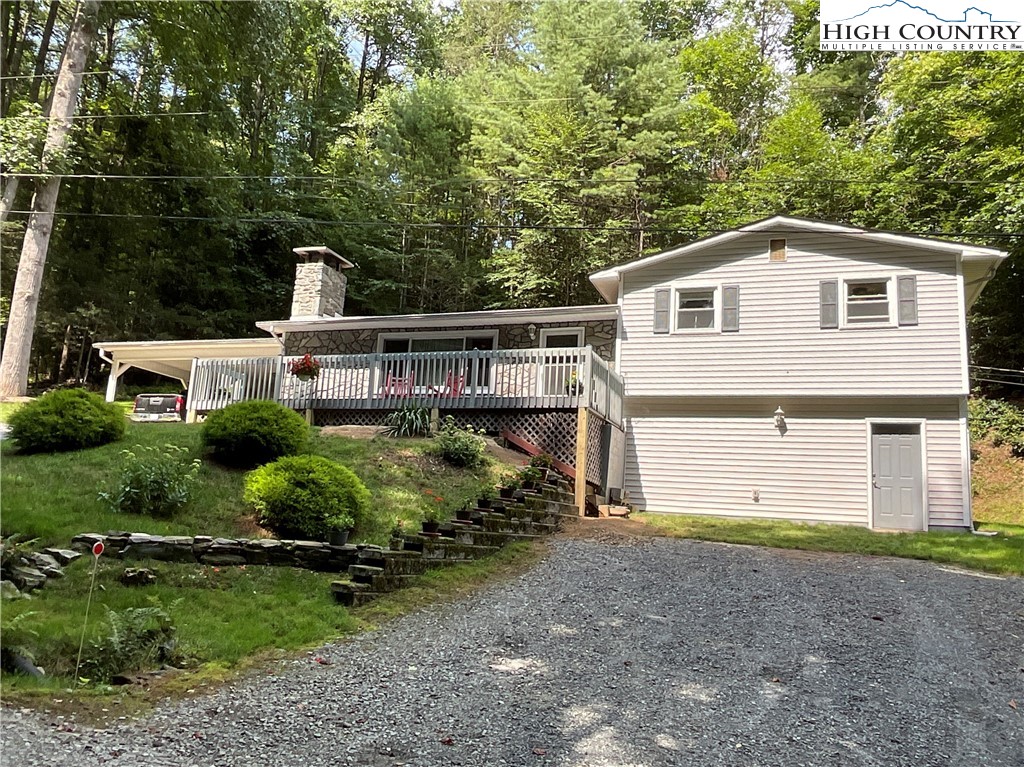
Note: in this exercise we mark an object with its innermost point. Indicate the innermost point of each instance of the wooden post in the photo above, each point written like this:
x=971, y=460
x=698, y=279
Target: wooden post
x=435, y=420
x=309, y=416
x=116, y=369
x=582, y=417
x=191, y=414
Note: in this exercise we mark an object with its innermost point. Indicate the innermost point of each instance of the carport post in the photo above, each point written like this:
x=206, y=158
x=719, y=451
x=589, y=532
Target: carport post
x=191, y=414
x=116, y=369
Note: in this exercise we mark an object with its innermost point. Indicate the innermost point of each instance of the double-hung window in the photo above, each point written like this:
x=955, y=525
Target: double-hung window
x=868, y=302
x=695, y=308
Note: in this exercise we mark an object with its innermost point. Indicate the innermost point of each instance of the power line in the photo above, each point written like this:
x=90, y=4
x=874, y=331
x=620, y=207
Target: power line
x=101, y=117
x=477, y=225
x=531, y=179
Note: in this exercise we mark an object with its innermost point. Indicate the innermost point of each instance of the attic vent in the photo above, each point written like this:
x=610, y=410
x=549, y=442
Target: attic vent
x=777, y=250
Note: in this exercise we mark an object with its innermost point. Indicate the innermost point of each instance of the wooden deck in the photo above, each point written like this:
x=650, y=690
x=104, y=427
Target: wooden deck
x=504, y=379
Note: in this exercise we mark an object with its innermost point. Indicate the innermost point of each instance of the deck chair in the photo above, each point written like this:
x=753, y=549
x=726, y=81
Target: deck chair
x=399, y=386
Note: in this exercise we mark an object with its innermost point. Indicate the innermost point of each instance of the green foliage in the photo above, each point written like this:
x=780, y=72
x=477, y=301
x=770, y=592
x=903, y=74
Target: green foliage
x=542, y=461
x=407, y=422
x=66, y=419
x=19, y=639
x=155, y=480
x=251, y=433
x=998, y=420
x=135, y=639
x=459, y=447
x=307, y=497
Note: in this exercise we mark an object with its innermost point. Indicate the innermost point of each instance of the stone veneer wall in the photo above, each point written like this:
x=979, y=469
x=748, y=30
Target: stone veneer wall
x=319, y=290
x=599, y=334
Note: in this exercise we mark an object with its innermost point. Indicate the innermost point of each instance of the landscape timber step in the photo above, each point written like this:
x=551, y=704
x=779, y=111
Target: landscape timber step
x=352, y=594
x=364, y=573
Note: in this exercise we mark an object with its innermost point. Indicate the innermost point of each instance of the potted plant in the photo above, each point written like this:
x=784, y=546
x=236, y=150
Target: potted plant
x=434, y=515
x=573, y=384
x=305, y=368
x=508, y=485
x=484, y=496
x=397, y=534
x=530, y=476
x=339, y=526
x=543, y=464
x=462, y=514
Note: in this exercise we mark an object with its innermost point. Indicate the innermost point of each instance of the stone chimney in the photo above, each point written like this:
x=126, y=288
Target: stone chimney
x=319, y=283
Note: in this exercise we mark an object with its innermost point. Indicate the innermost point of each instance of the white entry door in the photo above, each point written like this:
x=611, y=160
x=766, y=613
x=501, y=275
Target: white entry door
x=897, y=485
x=559, y=367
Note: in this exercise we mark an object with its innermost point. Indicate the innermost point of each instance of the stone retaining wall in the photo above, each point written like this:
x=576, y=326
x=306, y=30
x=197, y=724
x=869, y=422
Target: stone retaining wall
x=203, y=549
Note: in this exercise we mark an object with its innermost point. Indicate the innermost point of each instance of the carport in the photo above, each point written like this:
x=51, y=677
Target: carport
x=175, y=359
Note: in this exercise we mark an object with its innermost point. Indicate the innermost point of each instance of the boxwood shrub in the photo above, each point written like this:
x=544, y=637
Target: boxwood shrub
x=248, y=434
x=306, y=497
x=66, y=419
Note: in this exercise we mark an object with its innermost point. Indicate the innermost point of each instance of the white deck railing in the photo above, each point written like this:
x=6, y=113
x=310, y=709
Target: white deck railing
x=480, y=379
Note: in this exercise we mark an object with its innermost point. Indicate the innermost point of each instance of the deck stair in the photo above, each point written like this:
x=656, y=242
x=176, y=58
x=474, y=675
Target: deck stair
x=530, y=515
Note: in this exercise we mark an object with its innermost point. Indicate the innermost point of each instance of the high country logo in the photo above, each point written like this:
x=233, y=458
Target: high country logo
x=942, y=25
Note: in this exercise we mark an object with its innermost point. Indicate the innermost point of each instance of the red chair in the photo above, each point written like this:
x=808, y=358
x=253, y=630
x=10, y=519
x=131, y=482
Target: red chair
x=454, y=386
x=399, y=386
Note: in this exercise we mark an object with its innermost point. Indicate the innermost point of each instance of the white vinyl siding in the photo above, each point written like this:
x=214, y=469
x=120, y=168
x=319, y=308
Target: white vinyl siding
x=706, y=456
x=781, y=347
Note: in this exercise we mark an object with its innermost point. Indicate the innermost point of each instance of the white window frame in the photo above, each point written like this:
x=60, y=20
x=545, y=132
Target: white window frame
x=890, y=292
x=716, y=289
x=464, y=334
x=578, y=330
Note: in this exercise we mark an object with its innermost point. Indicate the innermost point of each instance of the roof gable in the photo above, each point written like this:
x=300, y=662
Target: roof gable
x=607, y=281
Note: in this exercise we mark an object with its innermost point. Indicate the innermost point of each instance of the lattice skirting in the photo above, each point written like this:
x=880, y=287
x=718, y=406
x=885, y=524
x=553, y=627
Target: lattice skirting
x=349, y=417
x=553, y=431
x=595, y=449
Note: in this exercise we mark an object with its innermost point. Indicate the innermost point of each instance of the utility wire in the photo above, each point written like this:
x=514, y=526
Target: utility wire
x=533, y=179
x=478, y=225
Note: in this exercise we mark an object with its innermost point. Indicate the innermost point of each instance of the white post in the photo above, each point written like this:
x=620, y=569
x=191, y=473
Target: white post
x=116, y=369
x=191, y=414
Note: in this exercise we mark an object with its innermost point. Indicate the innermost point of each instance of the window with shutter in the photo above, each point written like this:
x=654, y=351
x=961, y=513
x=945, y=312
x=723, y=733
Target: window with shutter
x=730, y=308
x=907, y=295
x=829, y=303
x=662, y=311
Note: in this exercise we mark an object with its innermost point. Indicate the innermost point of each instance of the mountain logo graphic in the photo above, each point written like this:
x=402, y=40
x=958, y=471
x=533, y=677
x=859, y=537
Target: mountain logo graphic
x=904, y=7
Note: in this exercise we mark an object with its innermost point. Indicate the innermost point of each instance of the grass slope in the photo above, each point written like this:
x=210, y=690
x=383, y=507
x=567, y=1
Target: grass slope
x=223, y=615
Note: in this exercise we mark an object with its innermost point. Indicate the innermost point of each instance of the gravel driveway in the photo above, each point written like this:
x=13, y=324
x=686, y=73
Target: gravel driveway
x=649, y=652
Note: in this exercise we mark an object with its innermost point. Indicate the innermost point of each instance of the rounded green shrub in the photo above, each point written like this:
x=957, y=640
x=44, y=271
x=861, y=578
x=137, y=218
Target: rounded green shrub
x=248, y=434
x=66, y=419
x=306, y=497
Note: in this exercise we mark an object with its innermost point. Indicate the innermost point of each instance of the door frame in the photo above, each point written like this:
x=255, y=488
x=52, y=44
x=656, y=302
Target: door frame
x=922, y=424
x=579, y=330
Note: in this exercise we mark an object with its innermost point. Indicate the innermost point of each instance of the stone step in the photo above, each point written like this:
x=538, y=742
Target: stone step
x=364, y=573
x=351, y=594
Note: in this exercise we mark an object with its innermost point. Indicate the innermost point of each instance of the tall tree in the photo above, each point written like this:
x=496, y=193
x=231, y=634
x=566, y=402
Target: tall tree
x=17, y=347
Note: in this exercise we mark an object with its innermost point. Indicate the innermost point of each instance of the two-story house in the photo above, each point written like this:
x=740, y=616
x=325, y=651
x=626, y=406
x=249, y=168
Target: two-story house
x=789, y=368
x=800, y=370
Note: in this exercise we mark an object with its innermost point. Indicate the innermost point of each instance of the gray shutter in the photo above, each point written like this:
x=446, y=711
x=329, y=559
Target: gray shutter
x=907, y=294
x=829, y=305
x=730, y=308
x=661, y=310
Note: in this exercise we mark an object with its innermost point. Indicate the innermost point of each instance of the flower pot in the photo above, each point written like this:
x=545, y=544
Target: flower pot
x=338, y=537
x=430, y=526
x=506, y=493
x=483, y=503
x=543, y=473
x=528, y=484
x=397, y=543
x=462, y=515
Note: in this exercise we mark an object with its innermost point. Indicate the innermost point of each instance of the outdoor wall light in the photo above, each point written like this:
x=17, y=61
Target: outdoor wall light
x=780, y=417
x=532, y=330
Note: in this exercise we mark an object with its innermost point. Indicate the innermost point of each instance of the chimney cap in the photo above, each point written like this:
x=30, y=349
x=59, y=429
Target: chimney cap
x=325, y=254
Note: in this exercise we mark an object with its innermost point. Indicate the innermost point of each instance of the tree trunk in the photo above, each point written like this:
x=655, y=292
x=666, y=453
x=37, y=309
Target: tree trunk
x=362, y=69
x=10, y=192
x=44, y=49
x=25, y=301
x=65, y=352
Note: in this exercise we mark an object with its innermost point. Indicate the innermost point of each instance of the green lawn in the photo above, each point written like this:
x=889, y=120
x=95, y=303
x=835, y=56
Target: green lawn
x=53, y=497
x=1003, y=553
x=227, y=614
